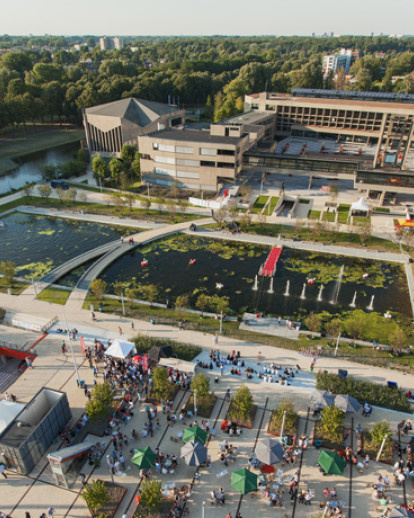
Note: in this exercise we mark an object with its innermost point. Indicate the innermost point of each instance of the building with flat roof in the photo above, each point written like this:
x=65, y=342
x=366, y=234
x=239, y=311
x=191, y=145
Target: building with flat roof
x=380, y=119
x=109, y=126
x=28, y=432
x=107, y=43
x=194, y=159
x=331, y=63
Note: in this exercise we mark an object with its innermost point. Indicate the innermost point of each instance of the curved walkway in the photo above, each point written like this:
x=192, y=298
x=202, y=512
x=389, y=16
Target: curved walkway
x=78, y=295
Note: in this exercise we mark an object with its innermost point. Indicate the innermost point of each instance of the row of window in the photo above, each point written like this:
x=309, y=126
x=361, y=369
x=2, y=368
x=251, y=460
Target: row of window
x=191, y=163
x=190, y=151
x=176, y=173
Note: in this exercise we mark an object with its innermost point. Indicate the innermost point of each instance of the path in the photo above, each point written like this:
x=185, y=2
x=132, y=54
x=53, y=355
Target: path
x=79, y=294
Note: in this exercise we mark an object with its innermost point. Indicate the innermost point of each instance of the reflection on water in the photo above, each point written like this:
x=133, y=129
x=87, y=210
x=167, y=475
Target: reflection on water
x=170, y=268
x=31, y=170
x=37, y=244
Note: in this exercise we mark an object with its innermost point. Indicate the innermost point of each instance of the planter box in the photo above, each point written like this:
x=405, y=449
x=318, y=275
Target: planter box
x=153, y=401
x=326, y=443
x=117, y=493
x=246, y=423
x=276, y=430
x=387, y=456
x=201, y=412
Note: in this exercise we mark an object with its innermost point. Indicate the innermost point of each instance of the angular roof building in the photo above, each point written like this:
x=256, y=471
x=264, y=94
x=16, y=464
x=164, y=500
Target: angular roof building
x=109, y=126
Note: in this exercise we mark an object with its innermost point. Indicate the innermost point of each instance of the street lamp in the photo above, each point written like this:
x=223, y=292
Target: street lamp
x=203, y=509
x=72, y=353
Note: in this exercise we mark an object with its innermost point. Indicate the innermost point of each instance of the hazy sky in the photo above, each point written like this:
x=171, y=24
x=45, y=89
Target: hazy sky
x=205, y=17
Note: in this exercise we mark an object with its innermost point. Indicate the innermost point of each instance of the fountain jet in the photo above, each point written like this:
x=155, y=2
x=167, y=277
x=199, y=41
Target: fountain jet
x=352, y=305
x=320, y=293
x=270, y=290
x=338, y=286
x=302, y=295
x=255, y=284
x=287, y=289
x=371, y=304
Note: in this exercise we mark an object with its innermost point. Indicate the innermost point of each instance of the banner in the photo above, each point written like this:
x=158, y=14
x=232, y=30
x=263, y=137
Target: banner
x=145, y=363
x=82, y=343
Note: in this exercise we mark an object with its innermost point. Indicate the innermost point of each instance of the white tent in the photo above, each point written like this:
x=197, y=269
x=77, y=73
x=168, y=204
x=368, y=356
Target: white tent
x=359, y=206
x=8, y=412
x=119, y=349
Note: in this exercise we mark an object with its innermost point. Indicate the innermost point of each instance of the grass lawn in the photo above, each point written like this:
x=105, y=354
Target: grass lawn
x=259, y=204
x=382, y=209
x=342, y=217
x=272, y=204
x=17, y=287
x=344, y=208
x=328, y=216
x=54, y=295
x=314, y=214
x=360, y=220
x=34, y=143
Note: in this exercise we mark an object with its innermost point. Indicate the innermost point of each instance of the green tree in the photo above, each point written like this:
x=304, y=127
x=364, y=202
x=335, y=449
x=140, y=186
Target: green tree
x=161, y=387
x=355, y=326
x=150, y=292
x=202, y=302
x=313, y=322
x=136, y=165
x=242, y=404
x=27, y=189
x=379, y=431
x=96, y=495
x=291, y=417
x=101, y=401
x=182, y=302
x=98, y=287
x=116, y=169
x=151, y=498
x=100, y=169
x=45, y=191
x=201, y=385
x=334, y=327
x=8, y=270
x=128, y=152
x=130, y=200
x=132, y=292
x=331, y=424
x=398, y=338
x=364, y=232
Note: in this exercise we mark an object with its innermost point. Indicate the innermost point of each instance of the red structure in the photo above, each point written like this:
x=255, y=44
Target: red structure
x=269, y=268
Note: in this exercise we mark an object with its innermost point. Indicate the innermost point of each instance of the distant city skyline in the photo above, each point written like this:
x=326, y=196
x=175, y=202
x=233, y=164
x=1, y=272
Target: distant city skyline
x=186, y=17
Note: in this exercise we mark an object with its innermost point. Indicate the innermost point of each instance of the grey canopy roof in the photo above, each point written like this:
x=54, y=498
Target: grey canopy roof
x=269, y=451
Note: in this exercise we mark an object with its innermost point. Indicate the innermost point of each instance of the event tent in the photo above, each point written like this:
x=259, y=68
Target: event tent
x=180, y=365
x=359, y=206
x=120, y=349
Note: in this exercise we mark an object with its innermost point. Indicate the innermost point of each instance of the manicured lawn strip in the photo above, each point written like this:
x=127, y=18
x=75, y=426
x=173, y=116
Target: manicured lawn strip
x=272, y=203
x=314, y=214
x=18, y=287
x=344, y=208
x=359, y=220
x=342, y=217
x=382, y=209
x=54, y=295
x=328, y=216
x=259, y=204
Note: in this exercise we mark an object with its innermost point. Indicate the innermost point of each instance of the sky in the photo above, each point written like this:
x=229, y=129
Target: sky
x=205, y=17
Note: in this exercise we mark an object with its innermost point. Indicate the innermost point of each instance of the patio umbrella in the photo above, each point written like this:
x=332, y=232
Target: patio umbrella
x=195, y=433
x=400, y=512
x=321, y=398
x=269, y=451
x=194, y=453
x=244, y=481
x=331, y=462
x=347, y=404
x=144, y=458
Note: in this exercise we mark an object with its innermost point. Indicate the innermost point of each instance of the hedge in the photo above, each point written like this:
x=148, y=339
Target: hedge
x=143, y=344
x=374, y=394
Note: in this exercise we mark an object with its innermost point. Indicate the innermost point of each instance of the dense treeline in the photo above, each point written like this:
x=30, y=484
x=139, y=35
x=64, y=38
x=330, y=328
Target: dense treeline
x=37, y=84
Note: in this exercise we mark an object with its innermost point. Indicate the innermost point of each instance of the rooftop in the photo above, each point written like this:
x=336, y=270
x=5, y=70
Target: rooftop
x=192, y=135
x=250, y=117
x=138, y=111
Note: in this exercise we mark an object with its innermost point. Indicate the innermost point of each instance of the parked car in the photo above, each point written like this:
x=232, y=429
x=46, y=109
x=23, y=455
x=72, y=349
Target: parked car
x=59, y=184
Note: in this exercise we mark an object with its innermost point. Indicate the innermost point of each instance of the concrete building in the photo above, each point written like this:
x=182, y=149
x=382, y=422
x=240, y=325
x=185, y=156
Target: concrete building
x=334, y=62
x=194, y=159
x=110, y=43
x=109, y=126
x=27, y=434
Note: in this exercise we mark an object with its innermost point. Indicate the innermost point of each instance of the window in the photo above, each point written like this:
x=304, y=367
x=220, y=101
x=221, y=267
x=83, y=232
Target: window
x=159, y=170
x=255, y=106
x=166, y=147
x=227, y=152
x=207, y=151
x=225, y=164
x=207, y=163
x=188, y=174
x=270, y=107
x=191, y=163
x=164, y=159
x=184, y=149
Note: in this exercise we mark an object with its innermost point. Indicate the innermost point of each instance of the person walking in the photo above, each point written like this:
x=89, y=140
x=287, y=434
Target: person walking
x=2, y=470
x=132, y=326
x=215, y=339
x=51, y=512
x=27, y=515
x=120, y=330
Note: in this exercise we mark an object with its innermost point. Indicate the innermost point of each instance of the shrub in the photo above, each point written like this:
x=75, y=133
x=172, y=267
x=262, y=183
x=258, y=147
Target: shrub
x=379, y=431
x=96, y=495
x=143, y=344
x=291, y=419
x=380, y=395
x=161, y=387
x=331, y=424
x=242, y=404
x=150, y=498
x=101, y=401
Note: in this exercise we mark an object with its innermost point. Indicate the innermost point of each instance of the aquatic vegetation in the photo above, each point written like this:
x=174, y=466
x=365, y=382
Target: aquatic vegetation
x=36, y=270
x=46, y=232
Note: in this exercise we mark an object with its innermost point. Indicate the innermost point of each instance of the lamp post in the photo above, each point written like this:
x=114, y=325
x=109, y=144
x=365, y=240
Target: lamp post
x=221, y=322
x=283, y=426
x=72, y=353
x=195, y=402
x=34, y=286
x=203, y=509
x=123, y=304
x=382, y=447
x=337, y=344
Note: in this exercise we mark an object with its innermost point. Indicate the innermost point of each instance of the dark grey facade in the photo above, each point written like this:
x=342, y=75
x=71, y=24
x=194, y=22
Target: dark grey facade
x=28, y=437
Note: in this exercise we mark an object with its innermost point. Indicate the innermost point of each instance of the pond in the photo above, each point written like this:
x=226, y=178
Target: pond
x=37, y=244
x=31, y=166
x=234, y=265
